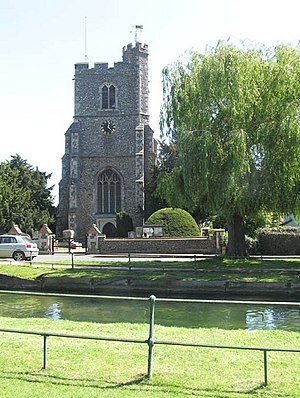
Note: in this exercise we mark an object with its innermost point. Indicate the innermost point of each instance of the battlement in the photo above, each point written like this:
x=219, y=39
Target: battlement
x=81, y=66
x=130, y=55
x=102, y=67
x=139, y=47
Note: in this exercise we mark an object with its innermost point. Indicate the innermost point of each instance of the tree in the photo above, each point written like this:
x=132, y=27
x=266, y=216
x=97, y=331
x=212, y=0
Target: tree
x=24, y=196
x=124, y=224
x=234, y=113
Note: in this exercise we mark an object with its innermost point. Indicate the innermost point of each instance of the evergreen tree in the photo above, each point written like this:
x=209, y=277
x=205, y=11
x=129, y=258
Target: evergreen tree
x=24, y=196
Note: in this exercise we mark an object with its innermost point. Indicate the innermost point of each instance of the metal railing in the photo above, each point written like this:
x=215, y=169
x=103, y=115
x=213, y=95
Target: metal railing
x=151, y=341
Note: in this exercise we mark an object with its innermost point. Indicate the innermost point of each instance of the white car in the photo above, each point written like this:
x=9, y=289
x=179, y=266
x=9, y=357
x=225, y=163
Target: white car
x=18, y=247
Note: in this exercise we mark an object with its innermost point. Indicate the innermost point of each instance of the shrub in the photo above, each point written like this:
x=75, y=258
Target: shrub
x=279, y=241
x=252, y=245
x=176, y=222
x=124, y=224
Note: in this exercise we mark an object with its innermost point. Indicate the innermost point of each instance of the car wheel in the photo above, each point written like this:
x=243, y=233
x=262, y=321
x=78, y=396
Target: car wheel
x=18, y=256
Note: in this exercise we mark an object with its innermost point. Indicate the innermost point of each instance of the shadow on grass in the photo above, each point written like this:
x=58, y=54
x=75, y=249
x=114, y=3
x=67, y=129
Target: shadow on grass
x=41, y=377
x=140, y=382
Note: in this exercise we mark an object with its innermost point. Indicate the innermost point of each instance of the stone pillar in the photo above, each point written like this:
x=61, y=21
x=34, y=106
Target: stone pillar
x=15, y=230
x=45, y=239
x=219, y=237
x=93, y=236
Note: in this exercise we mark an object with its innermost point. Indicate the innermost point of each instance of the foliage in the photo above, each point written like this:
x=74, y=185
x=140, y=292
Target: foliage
x=153, y=201
x=124, y=224
x=261, y=220
x=279, y=241
x=168, y=155
x=25, y=198
x=252, y=245
x=176, y=222
x=234, y=113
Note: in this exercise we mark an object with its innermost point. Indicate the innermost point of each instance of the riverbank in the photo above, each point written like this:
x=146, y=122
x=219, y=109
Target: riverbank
x=165, y=288
x=208, y=277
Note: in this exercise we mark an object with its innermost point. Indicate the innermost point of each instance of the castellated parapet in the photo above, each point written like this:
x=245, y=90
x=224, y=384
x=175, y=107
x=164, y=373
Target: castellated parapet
x=108, y=147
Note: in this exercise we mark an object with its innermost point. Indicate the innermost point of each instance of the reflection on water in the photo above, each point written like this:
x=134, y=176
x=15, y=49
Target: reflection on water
x=53, y=311
x=273, y=318
x=193, y=315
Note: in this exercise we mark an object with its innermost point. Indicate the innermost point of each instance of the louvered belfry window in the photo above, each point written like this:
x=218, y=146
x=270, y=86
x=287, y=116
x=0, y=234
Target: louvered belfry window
x=108, y=96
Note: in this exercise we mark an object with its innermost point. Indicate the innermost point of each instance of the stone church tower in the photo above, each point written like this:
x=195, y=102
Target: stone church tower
x=109, y=147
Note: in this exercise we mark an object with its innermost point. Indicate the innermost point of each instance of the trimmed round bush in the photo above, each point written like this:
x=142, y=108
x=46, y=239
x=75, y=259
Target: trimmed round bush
x=176, y=222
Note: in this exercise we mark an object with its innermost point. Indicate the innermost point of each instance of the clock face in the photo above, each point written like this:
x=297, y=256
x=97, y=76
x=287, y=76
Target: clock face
x=108, y=127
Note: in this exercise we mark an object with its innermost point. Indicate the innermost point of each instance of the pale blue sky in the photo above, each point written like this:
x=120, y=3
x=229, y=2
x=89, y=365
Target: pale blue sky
x=41, y=40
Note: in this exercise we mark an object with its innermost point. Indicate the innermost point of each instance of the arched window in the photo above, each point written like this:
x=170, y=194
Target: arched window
x=108, y=193
x=108, y=96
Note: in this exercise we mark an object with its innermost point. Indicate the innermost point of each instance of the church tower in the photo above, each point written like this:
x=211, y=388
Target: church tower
x=109, y=147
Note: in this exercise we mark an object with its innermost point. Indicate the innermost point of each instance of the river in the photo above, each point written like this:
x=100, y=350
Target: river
x=167, y=313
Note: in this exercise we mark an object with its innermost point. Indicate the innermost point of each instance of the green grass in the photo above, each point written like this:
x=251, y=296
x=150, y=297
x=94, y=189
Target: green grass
x=213, y=263
x=213, y=269
x=79, y=368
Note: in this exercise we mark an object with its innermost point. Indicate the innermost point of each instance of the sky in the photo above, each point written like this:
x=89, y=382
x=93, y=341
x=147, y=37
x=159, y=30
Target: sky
x=41, y=40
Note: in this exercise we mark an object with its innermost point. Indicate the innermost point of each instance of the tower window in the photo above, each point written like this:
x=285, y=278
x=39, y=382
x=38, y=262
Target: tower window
x=108, y=96
x=108, y=192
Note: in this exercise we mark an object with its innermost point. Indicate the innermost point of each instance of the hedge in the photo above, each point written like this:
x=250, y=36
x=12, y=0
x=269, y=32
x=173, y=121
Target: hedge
x=279, y=241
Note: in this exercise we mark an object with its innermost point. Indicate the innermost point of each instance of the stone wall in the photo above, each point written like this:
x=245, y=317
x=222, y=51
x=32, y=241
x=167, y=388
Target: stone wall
x=158, y=246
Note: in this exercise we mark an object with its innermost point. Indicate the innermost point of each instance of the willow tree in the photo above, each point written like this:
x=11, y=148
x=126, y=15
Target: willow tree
x=234, y=115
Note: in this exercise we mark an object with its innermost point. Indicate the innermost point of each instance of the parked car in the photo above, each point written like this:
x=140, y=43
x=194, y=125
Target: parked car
x=18, y=247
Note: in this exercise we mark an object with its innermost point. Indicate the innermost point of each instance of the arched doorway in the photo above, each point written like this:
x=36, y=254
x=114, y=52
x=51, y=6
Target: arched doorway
x=109, y=230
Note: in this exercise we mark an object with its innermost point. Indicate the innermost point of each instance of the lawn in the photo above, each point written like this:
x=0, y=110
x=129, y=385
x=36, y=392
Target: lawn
x=82, y=368
x=212, y=269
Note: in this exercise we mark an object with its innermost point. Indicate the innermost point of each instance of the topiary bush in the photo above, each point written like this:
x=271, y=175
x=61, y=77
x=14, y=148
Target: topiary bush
x=279, y=241
x=176, y=222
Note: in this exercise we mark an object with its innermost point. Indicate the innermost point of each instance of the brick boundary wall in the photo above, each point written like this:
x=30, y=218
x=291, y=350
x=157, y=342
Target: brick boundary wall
x=158, y=245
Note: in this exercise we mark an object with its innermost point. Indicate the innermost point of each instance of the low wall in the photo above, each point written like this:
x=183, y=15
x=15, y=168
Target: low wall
x=158, y=246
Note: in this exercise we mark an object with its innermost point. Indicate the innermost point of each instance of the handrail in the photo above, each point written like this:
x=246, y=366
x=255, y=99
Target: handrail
x=71, y=336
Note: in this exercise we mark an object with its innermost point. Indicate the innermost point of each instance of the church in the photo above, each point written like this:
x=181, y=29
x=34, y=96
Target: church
x=109, y=148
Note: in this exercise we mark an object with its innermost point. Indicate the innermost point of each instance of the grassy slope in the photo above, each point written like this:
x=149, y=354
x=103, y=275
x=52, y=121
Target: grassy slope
x=205, y=270
x=78, y=368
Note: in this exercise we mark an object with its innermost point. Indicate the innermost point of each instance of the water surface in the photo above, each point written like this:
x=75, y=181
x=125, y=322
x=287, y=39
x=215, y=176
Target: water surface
x=182, y=314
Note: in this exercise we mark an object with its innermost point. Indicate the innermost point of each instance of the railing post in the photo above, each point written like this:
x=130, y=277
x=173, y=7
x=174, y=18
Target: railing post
x=151, y=336
x=265, y=368
x=45, y=353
